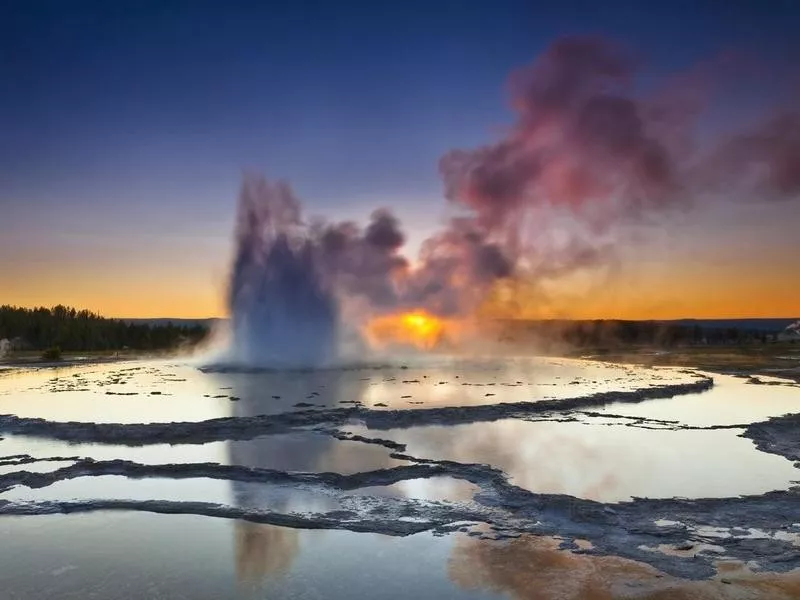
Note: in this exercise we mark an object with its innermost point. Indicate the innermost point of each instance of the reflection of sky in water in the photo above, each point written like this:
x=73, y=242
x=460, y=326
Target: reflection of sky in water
x=531, y=568
x=111, y=554
x=289, y=452
x=730, y=401
x=139, y=556
x=124, y=392
x=155, y=454
x=113, y=487
x=135, y=556
x=492, y=381
x=607, y=463
x=113, y=393
x=594, y=461
x=429, y=488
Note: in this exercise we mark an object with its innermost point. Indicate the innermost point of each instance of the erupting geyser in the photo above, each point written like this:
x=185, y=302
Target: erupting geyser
x=311, y=293
x=282, y=312
x=585, y=155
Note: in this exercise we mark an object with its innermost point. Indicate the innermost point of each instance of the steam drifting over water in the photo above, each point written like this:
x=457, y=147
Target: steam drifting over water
x=585, y=150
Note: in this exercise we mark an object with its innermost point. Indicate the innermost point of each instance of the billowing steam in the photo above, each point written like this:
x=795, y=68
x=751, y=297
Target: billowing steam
x=586, y=154
x=301, y=290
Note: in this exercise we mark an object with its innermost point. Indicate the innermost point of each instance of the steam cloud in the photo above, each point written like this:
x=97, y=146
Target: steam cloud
x=585, y=148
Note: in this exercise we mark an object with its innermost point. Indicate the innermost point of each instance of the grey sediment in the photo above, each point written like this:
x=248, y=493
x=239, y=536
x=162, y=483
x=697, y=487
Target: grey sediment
x=778, y=435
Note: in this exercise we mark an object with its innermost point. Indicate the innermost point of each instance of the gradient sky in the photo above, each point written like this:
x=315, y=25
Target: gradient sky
x=125, y=127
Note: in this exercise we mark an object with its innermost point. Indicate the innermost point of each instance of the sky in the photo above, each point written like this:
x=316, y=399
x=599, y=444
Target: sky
x=126, y=126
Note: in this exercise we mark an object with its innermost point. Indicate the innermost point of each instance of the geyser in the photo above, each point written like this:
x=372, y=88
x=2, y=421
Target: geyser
x=586, y=156
x=303, y=293
x=282, y=313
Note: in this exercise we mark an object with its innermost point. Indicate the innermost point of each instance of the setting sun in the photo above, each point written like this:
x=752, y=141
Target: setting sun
x=416, y=328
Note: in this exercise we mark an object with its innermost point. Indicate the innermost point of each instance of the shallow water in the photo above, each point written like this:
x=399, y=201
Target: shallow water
x=156, y=556
x=731, y=401
x=139, y=392
x=311, y=451
x=608, y=461
x=186, y=557
x=335, y=467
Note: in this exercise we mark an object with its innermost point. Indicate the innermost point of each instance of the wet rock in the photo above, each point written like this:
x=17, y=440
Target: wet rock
x=778, y=435
x=351, y=437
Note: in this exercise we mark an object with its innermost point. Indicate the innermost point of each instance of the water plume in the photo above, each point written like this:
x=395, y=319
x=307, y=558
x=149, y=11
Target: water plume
x=282, y=312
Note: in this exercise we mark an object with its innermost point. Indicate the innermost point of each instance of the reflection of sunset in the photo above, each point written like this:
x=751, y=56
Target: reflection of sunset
x=532, y=568
x=263, y=550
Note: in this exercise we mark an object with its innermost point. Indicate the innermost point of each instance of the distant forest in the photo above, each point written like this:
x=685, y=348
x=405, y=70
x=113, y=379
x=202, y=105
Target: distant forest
x=617, y=333
x=73, y=330
x=69, y=330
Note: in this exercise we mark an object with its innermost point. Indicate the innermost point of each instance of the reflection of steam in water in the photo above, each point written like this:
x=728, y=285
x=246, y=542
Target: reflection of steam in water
x=528, y=459
x=263, y=550
x=268, y=393
x=532, y=568
x=607, y=463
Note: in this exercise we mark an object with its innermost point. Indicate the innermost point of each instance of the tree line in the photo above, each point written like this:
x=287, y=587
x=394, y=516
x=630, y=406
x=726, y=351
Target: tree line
x=616, y=333
x=72, y=330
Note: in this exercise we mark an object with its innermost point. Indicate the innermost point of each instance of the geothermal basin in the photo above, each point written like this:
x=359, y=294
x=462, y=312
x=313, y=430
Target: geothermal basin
x=510, y=477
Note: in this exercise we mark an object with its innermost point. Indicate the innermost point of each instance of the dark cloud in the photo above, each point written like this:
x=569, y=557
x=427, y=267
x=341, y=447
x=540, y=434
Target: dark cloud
x=383, y=232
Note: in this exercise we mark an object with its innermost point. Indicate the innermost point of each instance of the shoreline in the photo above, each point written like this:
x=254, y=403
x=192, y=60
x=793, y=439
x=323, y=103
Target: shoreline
x=70, y=361
x=737, y=362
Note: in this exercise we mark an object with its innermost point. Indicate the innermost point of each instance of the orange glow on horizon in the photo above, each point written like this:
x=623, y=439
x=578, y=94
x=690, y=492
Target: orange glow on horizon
x=675, y=296
x=417, y=328
x=763, y=287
